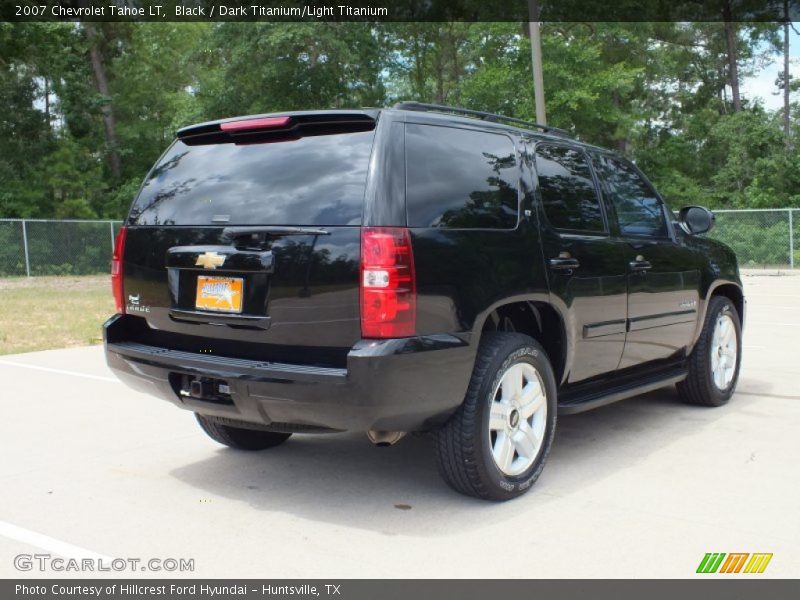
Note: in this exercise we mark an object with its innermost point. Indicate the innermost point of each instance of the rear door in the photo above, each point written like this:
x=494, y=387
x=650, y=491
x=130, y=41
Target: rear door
x=587, y=268
x=247, y=242
x=663, y=275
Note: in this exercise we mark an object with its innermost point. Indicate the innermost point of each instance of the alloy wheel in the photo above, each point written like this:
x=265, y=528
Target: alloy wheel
x=517, y=419
x=724, y=351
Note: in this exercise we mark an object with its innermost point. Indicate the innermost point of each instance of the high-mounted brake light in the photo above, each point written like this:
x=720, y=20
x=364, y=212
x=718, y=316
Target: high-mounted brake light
x=388, y=283
x=117, y=271
x=255, y=124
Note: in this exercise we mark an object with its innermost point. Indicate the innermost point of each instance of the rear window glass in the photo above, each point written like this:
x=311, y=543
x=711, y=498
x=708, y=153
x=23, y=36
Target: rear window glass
x=317, y=180
x=459, y=178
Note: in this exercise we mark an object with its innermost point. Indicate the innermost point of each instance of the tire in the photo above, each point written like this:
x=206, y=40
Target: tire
x=469, y=442
x=703, y=385
x=239, y=438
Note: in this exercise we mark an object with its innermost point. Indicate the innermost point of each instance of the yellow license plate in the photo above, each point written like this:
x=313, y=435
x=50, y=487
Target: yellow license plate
x=221, y=294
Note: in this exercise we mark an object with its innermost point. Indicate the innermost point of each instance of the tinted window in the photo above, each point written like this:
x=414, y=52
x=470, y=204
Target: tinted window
x=460, y=178
x=639, y=211
x=568, y=193
x=317, y=180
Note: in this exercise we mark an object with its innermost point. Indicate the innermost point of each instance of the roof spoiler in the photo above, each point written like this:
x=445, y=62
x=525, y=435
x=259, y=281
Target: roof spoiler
x=275, y=128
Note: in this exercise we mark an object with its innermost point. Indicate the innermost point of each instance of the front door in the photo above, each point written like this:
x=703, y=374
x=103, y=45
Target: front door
x=587, y=268
x=663, y=275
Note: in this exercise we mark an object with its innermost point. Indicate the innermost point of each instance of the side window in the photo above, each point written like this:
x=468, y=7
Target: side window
x=639, y=211
x=460, y=178
x=569, y=196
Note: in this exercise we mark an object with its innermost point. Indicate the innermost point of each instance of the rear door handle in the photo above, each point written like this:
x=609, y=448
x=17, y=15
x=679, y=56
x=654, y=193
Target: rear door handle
x=639, y=264
x=564, y=264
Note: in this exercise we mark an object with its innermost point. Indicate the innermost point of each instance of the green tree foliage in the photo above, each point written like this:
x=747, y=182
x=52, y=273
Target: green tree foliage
x=657, y=92
x=24, y=130
x=262, y=67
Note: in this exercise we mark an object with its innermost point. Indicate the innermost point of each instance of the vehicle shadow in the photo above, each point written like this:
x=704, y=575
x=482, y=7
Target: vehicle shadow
x=343, y=479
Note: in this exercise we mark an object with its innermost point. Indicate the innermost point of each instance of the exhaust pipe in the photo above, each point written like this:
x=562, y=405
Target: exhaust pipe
x=385, y=438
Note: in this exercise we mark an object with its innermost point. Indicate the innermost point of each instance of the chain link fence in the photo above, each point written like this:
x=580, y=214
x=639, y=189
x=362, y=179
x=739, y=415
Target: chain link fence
x=766, y=238
x=41, y=247
x=761, y=237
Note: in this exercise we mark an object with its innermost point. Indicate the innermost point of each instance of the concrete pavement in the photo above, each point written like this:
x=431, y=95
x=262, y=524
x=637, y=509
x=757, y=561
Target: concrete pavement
x=642, y=488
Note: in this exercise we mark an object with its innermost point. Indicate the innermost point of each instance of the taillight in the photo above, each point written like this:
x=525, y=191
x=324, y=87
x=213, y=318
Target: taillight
x=117, y=270
x=388, y=287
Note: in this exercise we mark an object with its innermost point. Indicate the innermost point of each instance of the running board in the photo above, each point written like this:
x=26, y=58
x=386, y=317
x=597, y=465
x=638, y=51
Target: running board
x=584, y=402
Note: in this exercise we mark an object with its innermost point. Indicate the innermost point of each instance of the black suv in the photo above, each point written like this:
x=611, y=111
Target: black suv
x=420, y=268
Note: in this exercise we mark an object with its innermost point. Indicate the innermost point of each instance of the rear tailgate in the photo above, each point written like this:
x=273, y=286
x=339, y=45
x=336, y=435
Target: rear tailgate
x=246, y=242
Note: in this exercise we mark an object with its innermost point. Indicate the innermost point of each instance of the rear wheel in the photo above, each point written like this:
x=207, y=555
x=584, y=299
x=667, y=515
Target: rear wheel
x=495, y=446
x=238, y=437
x=715, y=360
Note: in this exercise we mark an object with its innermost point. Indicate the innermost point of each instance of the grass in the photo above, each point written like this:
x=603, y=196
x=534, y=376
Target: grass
x=40, y=313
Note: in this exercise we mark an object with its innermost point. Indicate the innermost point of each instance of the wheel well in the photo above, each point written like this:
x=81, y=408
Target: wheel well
x=734, y=294
x=538, y=320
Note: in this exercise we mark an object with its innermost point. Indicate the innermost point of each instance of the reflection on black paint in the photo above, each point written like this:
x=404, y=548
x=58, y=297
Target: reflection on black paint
x=459, y=178
x=568, y=192
x=317, y=180
x=302, y=262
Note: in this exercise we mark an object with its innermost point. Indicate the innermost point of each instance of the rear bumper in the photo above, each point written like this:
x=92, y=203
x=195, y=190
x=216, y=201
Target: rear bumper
x=407, y=384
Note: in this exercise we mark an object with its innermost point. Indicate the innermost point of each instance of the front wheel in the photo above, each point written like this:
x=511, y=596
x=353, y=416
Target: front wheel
x=715, y=360
x=495, y=446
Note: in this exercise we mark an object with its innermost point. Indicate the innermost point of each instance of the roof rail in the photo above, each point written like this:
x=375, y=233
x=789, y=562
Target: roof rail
x=486, y=116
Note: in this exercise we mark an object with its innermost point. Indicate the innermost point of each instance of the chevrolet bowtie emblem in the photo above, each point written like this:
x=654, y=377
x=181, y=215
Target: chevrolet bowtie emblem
x=210, y=260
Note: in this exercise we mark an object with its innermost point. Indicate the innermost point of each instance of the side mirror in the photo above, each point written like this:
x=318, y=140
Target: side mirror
x=696, y=219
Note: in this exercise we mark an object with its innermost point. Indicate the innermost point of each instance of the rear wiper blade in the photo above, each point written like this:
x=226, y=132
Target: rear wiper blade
x=233, y=233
